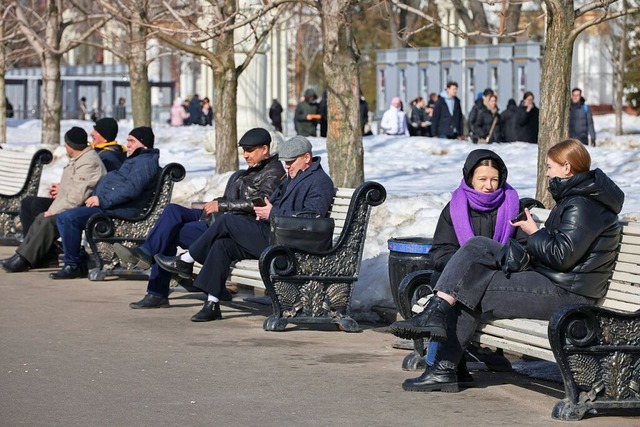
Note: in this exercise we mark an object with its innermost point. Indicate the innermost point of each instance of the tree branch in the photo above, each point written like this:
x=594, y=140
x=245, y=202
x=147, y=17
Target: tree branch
x=606, y=16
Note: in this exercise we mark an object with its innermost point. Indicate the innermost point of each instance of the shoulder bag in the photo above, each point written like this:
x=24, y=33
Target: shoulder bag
x=512, y=258
x=310, y=233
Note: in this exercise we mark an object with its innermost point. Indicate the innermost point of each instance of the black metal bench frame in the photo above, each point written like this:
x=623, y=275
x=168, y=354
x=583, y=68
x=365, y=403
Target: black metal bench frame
x=104, y=229
x=10, y=227
x=315, y=288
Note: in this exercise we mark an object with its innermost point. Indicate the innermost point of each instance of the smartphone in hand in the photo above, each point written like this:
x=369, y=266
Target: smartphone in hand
x=521, y=217
x=258, y=201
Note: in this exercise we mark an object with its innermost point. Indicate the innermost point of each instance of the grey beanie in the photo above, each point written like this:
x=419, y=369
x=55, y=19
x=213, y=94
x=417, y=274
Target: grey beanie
x=294, y=147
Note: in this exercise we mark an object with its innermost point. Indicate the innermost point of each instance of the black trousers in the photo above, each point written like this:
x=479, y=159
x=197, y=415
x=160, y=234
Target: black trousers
x=230, y=238
x=40, y=239
x=30, y=208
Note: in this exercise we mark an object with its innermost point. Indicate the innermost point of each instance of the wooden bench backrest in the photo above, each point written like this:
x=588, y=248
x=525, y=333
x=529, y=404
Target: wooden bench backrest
x=340, y=207
x=14, y=169
x=624, y=286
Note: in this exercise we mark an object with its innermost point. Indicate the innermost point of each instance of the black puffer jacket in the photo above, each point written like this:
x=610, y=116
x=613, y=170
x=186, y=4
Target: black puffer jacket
x=577, y=247
x=484, y=121
x=258, y=181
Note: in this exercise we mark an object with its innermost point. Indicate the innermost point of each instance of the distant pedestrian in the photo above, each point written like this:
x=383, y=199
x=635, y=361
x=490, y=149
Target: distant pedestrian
x=447, y=114
x=195, y=111
x=480, y=104
x=394, y=120
x=9, y=108
x=275, y=115
x=207, y=113
x=83, y=112
x=418, y=120
x=178, y=113
x=306, y=116
x=528, y=118
x=487, y=123
x=120, y=110
x=364, y=116
x=580, y=119
x=508, y=122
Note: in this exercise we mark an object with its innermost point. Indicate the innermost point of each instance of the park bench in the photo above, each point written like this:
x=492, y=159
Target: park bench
x=104, y=229
x=20, y=175
x=315, y=288
x=597, y=348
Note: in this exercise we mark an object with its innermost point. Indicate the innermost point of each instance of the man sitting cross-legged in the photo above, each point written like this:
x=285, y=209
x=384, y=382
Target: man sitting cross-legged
x=236, y=237
x=180, y=226
x=79, y=178
x=123, y=192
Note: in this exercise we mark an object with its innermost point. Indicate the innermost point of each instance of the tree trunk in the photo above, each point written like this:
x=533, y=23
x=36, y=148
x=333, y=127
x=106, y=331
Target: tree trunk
x=3, y=86
x=554, y=92
x=138, y=76
x=619, y=72
x=344, y=136
x=225, y=83
x=51, y=106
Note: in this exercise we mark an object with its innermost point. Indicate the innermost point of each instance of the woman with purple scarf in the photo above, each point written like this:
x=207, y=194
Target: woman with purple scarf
x=571, y=259
x=482, y=205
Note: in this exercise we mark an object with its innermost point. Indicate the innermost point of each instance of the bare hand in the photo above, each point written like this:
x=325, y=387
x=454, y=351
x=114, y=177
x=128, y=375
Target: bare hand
x=53, y=190
x=211, y=207
x=262, y=212
x=92, y=201
x=47, y=213
x=528, y=225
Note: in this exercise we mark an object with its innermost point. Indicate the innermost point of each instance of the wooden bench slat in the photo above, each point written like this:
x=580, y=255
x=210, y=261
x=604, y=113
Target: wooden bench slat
x=628, y=257
x=632, y=250
x=627, y=267
x=618, y=305
x=630, y=239
x=631, y=229
x=515, y=347
x=529, y=326
x=623, y=287
x=516, y=336
x=625, y=297
x=625, y=277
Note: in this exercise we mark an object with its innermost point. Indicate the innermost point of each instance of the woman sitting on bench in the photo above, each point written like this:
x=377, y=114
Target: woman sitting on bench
x=571, y=260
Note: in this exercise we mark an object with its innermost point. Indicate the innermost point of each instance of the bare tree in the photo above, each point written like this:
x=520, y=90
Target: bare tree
x=340, y=62
x=308, y=47
x=45, y=25
x=206, y=30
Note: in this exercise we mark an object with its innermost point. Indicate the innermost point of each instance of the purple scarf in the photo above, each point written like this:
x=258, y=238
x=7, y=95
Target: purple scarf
x=505, y=199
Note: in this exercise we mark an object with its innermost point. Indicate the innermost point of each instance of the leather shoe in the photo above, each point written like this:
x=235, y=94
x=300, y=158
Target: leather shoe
x=430, y=323
x=439, y=377
x=69, y=272
x=209, y=311
x=151, y=301
x=174, y=264
x=134, y=255
x=16, y=264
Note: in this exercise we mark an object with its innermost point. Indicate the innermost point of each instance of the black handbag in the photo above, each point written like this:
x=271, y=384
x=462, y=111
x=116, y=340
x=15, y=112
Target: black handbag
x=313, y=234
x=512, y=258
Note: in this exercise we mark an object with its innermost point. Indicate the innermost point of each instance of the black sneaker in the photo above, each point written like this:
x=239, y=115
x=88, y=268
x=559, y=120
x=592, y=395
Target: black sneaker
x=151, y=301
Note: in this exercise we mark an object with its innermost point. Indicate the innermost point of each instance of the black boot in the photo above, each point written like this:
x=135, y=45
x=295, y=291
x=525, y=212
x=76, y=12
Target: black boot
x=430, y=323
x=465, y=379
x=210, y=311
x=439, y=377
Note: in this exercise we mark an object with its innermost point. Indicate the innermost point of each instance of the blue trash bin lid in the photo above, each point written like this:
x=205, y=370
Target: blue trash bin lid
x=411, y=245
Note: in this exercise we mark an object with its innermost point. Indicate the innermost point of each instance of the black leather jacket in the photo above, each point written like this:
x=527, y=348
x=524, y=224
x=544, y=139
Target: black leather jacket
x=258, y=181
x=577, y=247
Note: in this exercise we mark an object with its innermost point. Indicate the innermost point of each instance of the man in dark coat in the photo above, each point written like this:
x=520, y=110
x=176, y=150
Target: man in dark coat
x=307, y=116
x=508, y=122
x=180, y=226
x=236, y=237
x=580, y=119
x=123, y=192
x=447, y=114
x=527, y=119
x=478, y=105
x=275, y=114
x=195, y=111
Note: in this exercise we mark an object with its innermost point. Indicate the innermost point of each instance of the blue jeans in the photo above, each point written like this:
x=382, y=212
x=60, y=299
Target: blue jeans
x=177, y=226
x=70, y=224
x=472, y=277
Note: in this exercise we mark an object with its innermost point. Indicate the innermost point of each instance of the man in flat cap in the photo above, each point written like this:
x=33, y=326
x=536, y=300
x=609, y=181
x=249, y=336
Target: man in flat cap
x=235, y=237
x=79, y=178
x=104, y=135
x=180, y=226
x=123, y=192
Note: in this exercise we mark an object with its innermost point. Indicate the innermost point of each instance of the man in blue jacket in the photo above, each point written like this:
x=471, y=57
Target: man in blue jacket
x=236, y=237
x=447, y=114
x=581, y=119
x=123, y=192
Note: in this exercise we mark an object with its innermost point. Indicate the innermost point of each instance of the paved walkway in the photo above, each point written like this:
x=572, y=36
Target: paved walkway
x=73, y=354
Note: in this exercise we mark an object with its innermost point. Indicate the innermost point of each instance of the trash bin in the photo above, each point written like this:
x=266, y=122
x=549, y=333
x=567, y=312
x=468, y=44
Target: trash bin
x=406, y=255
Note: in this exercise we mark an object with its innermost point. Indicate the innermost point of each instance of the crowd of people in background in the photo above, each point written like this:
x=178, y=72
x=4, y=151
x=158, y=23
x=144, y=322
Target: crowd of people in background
x=191, y=111
x=441, y=116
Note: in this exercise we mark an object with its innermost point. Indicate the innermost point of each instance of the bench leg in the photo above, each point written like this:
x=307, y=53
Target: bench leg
x=274, y=323
x=414, y=361
x=598, y=353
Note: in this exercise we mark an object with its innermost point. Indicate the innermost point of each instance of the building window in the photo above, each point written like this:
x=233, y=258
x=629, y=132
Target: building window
x=424, y=89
